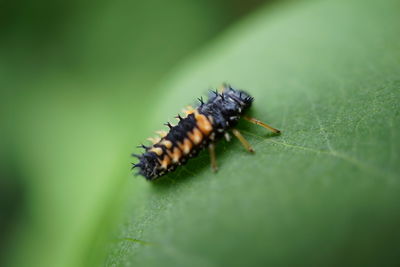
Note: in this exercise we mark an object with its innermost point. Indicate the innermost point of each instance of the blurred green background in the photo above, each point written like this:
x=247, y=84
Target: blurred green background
x=83, y=83
x=79, y=81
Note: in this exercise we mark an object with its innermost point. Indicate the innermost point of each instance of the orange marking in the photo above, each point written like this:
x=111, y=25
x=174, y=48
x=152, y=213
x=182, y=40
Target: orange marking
x=203, y=123
x=161, y=133
x=166, y=143
x=157, y=150
x=176, y=155
x=165, y=162
x=186, y=146
x=196, y=136
x=189, y=110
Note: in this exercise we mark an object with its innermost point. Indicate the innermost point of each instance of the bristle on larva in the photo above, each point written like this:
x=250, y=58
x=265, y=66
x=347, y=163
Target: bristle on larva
x=200, y=127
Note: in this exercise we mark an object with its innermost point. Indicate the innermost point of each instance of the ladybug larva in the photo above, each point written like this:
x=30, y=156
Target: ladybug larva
x=200, y=128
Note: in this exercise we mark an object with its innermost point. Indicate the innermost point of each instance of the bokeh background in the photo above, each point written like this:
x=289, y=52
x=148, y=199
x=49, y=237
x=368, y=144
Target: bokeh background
x=82, y=83
x=76, y=80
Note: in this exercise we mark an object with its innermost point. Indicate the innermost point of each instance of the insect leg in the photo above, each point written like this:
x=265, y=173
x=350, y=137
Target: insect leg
x=262, y=124
x=211, y=149
x=227, y=137
x=244, y=142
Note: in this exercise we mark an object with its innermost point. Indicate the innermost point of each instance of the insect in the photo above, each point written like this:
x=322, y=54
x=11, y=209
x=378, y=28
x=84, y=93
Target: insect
x=200, y=128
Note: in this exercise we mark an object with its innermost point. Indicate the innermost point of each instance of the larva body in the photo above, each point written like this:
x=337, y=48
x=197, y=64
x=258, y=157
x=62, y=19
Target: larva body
x=199, y=129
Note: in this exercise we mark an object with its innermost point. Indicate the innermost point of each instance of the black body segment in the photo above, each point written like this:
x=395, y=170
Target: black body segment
x=201, y=126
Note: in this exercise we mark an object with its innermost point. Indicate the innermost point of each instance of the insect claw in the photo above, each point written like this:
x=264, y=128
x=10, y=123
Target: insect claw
x=201, y=100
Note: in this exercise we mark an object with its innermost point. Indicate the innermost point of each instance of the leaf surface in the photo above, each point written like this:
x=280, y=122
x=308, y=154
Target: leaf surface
x=326, y=191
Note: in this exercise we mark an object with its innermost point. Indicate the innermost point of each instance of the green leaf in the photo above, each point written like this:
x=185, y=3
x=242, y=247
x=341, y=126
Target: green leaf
x=324, y=192
x=72, y=88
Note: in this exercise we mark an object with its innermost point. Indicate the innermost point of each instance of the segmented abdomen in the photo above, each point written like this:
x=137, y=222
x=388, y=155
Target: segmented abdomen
x=182, y=142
